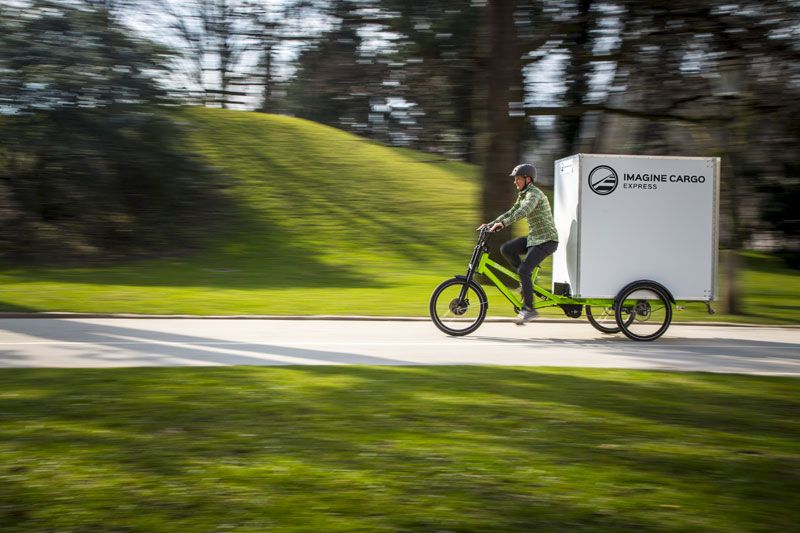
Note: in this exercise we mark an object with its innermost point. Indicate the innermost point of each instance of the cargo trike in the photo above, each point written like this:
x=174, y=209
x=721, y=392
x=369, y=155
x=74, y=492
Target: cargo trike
x=642, y=310
x=635, y=233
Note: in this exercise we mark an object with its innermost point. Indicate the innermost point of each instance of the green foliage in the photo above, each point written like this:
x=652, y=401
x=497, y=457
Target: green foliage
x=88, y=184
x=396, y=449
x=90, y=166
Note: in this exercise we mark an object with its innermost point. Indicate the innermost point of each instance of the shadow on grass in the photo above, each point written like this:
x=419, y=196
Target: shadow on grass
x=774, y=318
x=274, y=260
x=270, y=257
x=767, y=264
x=458, y=448
x=6, y=307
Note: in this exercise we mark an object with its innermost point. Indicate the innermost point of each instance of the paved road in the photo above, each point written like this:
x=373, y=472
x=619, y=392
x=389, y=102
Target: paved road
x=118, y=342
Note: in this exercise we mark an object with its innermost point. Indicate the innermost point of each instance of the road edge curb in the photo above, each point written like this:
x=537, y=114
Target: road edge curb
x=363, y=318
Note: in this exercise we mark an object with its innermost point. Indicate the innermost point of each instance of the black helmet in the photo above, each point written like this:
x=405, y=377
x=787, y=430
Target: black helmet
x=525, y=169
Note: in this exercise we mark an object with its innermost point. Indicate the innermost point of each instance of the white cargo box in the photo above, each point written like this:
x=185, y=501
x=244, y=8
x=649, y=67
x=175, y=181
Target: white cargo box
x=623, y=218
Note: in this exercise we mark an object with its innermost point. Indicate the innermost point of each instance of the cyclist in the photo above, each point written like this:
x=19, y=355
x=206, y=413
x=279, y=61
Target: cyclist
x=525, y=253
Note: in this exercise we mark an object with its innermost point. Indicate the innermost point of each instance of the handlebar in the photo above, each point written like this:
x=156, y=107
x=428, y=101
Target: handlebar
x=484, y=234
x=486, y=230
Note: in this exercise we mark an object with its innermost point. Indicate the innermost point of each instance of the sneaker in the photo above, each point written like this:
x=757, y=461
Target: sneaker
x=525, y=315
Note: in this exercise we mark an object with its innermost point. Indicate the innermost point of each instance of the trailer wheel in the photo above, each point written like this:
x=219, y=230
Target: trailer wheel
x=650, y=306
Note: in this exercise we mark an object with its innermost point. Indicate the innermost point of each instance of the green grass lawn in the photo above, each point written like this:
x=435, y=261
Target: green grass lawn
x=324, y=223
x=196, y=287
x=397, y=449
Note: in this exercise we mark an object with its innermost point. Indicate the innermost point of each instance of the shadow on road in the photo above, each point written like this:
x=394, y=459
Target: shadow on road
x=103, y=343
x=679, y=353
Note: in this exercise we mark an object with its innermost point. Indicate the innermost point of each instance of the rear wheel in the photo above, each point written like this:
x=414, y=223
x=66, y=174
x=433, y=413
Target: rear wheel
x=604, y=319
x=457, y=314
x=643, y=311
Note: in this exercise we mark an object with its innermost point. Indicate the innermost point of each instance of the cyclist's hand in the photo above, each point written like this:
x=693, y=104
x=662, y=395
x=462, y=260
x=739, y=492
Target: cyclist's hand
x=497, y=226
x=481, y=227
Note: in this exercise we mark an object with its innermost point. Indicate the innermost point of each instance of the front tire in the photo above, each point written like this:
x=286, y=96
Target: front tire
x=454, y=315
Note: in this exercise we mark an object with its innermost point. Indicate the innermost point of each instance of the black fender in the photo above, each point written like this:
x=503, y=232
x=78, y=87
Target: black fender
x=644, y=282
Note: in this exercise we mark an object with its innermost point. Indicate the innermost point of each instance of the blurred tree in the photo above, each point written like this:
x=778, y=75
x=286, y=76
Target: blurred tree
x=778, y=167
x=214, y=35
x=416, y=69
x=89, y=165
x=272, y=29
x=436, y=67
x=780, y=216
x=335, y=81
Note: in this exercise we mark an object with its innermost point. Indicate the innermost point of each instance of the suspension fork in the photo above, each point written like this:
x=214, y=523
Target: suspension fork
x=479, y=250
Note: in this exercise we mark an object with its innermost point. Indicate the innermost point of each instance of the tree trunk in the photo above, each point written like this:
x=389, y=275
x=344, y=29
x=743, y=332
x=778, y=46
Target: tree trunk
x=733, y=306
x=731, y=187
x=266, y=99
x=733, y=290
x=225, y=66
x=577, y=73
x=503, y=72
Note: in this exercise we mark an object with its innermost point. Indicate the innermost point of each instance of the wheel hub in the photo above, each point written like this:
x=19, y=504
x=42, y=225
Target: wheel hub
x=459, y=308
x=642, y=309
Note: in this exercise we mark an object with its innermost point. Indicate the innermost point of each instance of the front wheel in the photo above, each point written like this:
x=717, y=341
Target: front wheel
x=650, y=307
x=457, y=308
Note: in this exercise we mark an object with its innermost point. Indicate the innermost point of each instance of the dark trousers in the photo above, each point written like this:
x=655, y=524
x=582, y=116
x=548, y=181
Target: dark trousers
x=513, y=251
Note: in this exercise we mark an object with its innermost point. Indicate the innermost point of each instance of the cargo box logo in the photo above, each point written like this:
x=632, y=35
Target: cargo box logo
x=603, y=180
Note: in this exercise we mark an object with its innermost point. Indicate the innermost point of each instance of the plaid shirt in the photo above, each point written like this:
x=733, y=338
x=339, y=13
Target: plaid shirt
x=532, y=204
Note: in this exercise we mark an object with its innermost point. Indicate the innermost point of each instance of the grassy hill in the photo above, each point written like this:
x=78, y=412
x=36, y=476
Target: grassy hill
x=324, y=222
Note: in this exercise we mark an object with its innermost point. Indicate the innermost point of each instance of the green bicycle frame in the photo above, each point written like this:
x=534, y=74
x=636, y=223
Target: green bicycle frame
x=485, y=266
